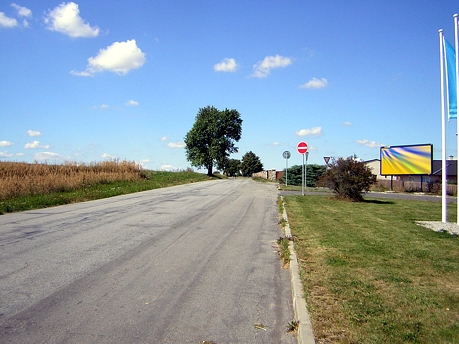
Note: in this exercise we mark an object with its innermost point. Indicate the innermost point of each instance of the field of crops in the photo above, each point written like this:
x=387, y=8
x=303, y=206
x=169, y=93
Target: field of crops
x=23, y=179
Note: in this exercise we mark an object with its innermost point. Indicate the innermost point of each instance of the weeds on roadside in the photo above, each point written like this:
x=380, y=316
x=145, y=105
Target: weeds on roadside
x=283, y=249
x=292, y=326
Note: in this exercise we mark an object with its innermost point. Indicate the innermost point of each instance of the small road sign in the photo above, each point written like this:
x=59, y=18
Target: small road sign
x=302, y=147
x=286, y=155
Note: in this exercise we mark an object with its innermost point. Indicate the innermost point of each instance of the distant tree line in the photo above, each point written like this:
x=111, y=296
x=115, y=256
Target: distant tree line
x=212, y=139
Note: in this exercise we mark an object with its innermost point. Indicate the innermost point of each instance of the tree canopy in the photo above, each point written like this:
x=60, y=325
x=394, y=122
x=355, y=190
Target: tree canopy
x=250, y=164
x=212, y=138
x=233, y=167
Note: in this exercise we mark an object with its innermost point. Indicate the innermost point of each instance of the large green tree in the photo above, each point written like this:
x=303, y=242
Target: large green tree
x=233, y=167
x=212, y=138
x=250, y=164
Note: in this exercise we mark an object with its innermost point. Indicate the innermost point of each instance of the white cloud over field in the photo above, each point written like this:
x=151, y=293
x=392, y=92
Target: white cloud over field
x=227, y=65
x=263, y=68
x=176, y=144
x=119, y=58
x=316, y=131
x=315, y=83
x=66, y=19
x=370, y=144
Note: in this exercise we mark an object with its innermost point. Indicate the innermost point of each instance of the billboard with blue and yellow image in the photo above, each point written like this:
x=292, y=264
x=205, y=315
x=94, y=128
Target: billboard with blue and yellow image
x=407, y=160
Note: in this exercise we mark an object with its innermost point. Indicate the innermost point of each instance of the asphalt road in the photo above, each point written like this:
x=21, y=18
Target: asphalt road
x=185, y=264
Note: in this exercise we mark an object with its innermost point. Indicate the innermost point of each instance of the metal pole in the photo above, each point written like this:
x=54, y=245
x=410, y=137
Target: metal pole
x=444, y=204
x=302, y=177
x=456, y=48
x=306, y=172
x=286, y=172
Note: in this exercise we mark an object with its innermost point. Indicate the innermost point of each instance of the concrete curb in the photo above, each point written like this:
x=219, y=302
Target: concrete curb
x=305, y=333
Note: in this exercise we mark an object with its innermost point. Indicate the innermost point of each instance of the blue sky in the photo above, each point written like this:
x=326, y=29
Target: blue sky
x=89, y=81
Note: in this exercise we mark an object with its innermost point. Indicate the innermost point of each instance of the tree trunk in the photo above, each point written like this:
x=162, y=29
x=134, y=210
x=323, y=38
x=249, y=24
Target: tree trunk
x=209, y=170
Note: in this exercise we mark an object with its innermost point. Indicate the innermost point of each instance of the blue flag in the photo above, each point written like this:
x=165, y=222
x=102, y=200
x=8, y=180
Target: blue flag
x=451, y=80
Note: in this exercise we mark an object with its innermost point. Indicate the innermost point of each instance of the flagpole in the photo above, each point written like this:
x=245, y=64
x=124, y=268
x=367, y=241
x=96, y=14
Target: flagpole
x=444, y=206
x=456, y=45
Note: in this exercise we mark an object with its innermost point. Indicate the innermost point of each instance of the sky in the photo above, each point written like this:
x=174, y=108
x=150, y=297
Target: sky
x=91, y=81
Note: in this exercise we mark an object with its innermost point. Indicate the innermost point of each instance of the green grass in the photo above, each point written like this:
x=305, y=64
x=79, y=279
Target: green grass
x=152, y=180
x=289, y=187
x=371, y=275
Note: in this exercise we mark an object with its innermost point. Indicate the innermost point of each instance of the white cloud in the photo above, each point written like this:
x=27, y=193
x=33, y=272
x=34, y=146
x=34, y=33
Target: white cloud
x=262, y=68
x=316, y=131
x=22, y=11
x=176, y=145
x=274, y=144
x=347, y=124
x=83, y=73
x=227, y=65
x=66, y=19
x=120, y=58
x=315, y=83
x=35, y=144
x=32, y=145
x=6, y=21
x=48, y=156
x=5, y=143
x=166, y=167
x=132, y=103
x=33, y=133
x=368, y=143
x=144, y=162
x=108, y=156
x=102, y=106
x=20, y=154
x=5, y=155
x=164, y=138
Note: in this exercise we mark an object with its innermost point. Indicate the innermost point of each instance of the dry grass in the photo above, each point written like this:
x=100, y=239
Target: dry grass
x=23, y=179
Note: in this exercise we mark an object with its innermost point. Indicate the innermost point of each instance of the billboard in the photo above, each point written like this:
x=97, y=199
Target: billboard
x=406, y=160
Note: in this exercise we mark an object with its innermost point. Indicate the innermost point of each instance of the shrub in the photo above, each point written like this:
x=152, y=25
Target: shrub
x=348, y=178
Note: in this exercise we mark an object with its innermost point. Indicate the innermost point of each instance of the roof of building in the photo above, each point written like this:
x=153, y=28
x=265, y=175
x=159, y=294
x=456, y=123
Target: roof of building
x=451, y=167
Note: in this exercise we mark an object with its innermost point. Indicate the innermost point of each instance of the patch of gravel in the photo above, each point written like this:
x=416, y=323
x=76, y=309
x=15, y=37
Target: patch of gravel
x=439, y=226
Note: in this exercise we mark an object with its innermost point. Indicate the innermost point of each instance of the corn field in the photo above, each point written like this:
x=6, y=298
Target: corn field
x=23, y=179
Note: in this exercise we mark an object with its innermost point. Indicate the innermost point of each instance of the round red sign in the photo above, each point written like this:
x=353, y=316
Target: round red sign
x=302, y=147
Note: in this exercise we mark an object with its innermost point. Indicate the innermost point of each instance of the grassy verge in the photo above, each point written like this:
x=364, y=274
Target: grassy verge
x=283, y=187
x=371, y=275
x=151, y=180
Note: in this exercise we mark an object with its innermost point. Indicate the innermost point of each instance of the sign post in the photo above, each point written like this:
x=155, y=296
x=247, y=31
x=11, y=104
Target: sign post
x=306, y=171
x=302, y=148
x=286, y=156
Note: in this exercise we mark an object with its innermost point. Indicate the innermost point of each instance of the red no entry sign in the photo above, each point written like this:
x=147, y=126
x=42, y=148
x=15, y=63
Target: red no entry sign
x=302, y=147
